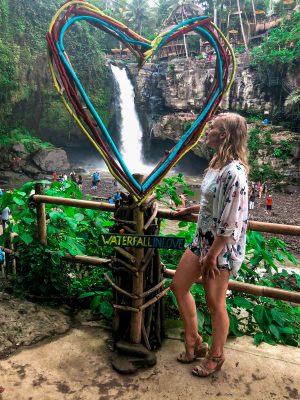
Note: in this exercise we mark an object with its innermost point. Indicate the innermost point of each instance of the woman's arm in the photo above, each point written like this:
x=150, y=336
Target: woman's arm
x=187, y=211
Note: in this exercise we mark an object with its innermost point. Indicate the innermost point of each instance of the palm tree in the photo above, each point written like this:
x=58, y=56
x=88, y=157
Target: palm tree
x=137, y=13
x=292, y=102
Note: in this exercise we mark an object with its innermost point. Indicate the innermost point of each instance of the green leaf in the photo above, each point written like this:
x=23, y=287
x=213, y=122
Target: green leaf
x=88, y=294
x=95, y=302
x=262, y=317
x=55, y=258
x=278, y=316
x=26, y=237
x=234, y=325
x=55, y=215
x=200, y=317
x=18, y=201
x=182, y=224
x=287, y=329
x=274, y=329
x=259, y=338
x=242, y=302
x=51, y=229
x=106, y=309
x=79, y=217
x=173, y=298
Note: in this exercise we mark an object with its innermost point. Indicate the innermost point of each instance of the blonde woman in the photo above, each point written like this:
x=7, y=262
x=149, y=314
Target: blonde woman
x=218, y=247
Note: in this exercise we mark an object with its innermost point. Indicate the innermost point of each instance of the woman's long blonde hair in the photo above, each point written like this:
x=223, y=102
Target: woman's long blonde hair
x=234, y=146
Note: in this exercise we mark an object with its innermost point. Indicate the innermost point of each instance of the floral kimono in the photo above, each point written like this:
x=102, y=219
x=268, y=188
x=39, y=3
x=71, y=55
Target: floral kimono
x=223, y=212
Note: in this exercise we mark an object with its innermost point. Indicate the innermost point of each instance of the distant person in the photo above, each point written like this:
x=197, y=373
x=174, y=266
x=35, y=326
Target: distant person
x=65, y=177
x=73, y=176
x=95, y=180
x=60, y=179
x=182, y=200
x=269, y=202
x=251, y=200
x=5, y=217
x=54, y=176
x=80, y=181
x=115, y=184
x=117, y=198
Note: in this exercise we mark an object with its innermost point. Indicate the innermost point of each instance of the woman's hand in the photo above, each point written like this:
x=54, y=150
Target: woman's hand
x=181, y=212
x=209, y=267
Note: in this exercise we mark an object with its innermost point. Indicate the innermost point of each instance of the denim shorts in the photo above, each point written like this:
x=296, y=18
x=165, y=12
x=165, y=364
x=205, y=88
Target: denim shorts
x=201, y=244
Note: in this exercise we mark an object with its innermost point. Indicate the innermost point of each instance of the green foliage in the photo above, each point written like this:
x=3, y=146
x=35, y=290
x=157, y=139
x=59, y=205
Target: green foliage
x=69, y=230
x=7, y=71
x=23, y=62
x=168, y=189
x=264, y=172
x=279, y=50
x=284, y=150
x=28, y=139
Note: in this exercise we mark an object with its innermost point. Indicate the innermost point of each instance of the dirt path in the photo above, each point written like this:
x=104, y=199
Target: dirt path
x=77, y=366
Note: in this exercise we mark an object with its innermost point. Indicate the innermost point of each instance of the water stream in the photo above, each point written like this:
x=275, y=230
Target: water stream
x=131, y=133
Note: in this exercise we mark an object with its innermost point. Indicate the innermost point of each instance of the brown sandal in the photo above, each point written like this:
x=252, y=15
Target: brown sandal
x=203, y=371
x=200, y=350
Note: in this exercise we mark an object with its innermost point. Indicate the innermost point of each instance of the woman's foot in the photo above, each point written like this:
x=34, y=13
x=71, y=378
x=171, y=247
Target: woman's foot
x=193, y=351
x=209, y=365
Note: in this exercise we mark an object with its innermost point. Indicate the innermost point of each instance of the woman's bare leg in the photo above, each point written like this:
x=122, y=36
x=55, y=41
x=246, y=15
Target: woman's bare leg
x=215, y=294
x=188, y=270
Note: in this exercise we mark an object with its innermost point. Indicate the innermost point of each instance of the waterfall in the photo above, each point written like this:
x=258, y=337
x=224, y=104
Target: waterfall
x=130, y=128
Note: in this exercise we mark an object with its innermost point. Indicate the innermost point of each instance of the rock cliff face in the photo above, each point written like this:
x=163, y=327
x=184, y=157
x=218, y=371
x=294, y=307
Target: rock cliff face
x=180, y=87
x=18, y=165
x=170, y=95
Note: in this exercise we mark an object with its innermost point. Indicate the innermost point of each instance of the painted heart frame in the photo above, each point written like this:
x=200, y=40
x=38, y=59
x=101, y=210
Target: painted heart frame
x=82, y=110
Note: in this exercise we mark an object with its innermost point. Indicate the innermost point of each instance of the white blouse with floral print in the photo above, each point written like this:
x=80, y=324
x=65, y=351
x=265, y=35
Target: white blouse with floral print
x=224, y=211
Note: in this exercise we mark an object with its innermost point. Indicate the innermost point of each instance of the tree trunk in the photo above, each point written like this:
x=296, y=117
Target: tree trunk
x=242, y=26
x=254, y=14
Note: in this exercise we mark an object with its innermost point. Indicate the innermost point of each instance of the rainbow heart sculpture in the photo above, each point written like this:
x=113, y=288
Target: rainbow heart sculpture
x=77, y=102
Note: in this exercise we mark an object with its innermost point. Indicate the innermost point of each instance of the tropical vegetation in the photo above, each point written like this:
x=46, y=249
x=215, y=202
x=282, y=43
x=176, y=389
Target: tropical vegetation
x=42, y=270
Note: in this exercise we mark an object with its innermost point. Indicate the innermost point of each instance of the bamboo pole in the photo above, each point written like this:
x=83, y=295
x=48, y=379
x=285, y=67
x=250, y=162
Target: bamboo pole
x=61, y=201
x=41, y=216
x=283, y=229
x=164, y=213
x=99, y=262
x=248, y=288
x=236, y=286
x=138, y=281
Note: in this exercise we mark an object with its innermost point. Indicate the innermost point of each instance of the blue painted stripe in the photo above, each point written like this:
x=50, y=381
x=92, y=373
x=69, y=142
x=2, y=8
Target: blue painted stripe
x=120, y=33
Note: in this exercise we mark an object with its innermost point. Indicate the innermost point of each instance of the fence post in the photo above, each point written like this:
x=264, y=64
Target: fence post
x=137, y=281
x=41, y=216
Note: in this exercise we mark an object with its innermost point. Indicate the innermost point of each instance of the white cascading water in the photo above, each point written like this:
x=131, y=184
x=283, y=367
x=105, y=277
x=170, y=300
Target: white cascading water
x=130, y=128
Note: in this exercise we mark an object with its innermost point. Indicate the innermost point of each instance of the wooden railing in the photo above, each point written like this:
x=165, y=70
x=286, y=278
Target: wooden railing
x=40, y=201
